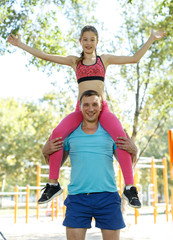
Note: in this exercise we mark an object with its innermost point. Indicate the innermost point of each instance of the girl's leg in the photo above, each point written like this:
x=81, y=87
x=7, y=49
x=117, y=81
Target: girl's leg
x=66, y=126
x=113, y=126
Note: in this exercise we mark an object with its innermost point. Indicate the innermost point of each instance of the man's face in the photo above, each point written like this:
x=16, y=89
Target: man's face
x=90, y=108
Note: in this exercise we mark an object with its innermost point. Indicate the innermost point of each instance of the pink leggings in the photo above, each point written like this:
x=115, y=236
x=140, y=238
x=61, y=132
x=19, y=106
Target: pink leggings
x=109, y=122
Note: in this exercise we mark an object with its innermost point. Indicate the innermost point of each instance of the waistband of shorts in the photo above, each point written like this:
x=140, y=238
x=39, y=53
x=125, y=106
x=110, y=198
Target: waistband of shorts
x=90, y=193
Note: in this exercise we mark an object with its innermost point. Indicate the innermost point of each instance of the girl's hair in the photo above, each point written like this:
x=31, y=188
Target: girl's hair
x=87, y=28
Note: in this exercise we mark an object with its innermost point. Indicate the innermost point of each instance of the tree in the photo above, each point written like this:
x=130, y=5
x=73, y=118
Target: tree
x=25, y=127
x=42, y=24
x=18, y=15
x=148, y=79
x=148, y=84
x=146, y=103
x=165, y=12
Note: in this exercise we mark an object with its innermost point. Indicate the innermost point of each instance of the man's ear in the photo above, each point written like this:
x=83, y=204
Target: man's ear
x=100, y=106
x=80, y=107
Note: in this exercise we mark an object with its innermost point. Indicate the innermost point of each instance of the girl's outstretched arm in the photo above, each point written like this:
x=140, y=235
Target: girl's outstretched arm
x=64, y=60
x=112, y=59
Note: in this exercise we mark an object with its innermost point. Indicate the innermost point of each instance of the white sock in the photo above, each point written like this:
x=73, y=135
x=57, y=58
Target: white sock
x=129, y=186
x=55, y=184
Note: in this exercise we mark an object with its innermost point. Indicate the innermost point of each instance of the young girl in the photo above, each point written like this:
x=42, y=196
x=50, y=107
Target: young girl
x=90, y=71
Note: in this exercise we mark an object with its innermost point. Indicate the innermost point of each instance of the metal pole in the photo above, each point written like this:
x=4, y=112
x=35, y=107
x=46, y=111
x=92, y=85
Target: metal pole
x=27, y=202
x=38, y=190
x=16, y=202
x=153, y=180
x=165, y=184
x=136, y=179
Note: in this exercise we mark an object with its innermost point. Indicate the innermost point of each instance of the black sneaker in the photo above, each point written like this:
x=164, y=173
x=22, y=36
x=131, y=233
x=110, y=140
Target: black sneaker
x=131, y=196
x=49, y=193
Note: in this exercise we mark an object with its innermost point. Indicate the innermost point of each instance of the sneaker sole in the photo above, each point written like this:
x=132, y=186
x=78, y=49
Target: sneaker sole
x=133, y=206
x=55, y=195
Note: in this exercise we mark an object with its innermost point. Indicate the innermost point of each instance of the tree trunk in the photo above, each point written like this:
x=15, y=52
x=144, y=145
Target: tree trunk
x=136, y=114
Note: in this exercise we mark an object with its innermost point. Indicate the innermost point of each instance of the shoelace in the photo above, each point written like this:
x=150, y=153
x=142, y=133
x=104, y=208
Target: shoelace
x=46, y=187
x=134, y=193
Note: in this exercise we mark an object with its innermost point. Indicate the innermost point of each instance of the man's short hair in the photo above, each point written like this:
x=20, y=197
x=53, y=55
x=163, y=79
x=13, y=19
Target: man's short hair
x=89, y=93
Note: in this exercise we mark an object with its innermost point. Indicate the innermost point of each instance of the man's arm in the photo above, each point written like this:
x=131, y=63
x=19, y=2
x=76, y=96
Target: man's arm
x=52, y=146
x=127, y=144
x=65, y=156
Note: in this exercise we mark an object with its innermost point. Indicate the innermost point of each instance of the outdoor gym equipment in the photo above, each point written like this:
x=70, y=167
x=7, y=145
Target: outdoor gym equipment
x=152, y=164
x=170, y=142
x=142, y=163
x=55, y=208
x=16, y=193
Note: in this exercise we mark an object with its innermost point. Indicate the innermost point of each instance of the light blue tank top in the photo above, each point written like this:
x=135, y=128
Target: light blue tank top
x=91, y=158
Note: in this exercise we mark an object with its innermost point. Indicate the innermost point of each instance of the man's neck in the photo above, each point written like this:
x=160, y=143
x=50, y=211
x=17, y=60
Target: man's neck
x=89, y=127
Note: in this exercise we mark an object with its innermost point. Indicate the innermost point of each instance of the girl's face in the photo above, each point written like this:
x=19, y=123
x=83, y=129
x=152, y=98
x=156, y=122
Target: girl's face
x=89, y=42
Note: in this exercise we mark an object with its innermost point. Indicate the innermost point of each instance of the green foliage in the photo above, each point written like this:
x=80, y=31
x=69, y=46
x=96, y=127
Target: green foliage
x=145, y=104
x=24, y=128
x=149, y=81
x=15, y=14
x=40, y=25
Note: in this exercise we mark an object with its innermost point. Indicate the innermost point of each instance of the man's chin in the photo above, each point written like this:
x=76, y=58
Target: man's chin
x=91, y=120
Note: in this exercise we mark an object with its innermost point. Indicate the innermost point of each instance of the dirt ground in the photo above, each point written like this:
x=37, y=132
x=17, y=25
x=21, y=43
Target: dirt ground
x=44, y=228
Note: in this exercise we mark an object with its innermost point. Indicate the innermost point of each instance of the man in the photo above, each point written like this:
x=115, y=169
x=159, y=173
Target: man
x=124, y=143
x=92, y=189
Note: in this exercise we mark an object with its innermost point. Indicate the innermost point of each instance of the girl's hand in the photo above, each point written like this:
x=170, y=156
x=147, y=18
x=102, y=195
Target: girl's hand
x=158, y=35
x=15, y=41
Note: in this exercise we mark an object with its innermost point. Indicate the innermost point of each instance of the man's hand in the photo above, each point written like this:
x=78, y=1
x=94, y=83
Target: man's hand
x=127, y=144
x=52, y=146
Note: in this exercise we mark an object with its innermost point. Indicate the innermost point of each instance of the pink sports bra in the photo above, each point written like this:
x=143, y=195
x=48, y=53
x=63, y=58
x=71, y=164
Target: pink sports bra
x=90, y=72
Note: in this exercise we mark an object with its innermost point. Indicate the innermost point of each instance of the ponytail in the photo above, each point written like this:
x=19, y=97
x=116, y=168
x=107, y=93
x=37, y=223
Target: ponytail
x=81, y=58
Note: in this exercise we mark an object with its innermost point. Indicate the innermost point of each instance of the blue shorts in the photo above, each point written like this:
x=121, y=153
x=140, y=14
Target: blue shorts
x=104, y=207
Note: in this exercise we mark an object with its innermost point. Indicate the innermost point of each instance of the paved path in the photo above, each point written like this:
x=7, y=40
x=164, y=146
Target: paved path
x=45, y=229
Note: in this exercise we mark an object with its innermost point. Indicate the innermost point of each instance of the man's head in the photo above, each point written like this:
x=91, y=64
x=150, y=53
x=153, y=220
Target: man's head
x=90, y=105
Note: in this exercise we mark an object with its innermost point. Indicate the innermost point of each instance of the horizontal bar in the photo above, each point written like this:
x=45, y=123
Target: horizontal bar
x=143, y=165
x=42, y=183
x=34, y=188
x=44, y=175
x=149, y=159
x=140, y=165
x=160, y=204
x=12, y=193
x=21, y=188
x=66, y=168
x=45, y=166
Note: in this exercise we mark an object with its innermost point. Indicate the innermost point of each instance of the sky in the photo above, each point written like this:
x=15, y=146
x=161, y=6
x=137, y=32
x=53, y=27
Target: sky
x=30, y=84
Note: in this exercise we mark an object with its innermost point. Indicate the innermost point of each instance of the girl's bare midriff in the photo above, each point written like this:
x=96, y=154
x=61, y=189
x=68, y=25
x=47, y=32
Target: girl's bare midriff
x=96, y=85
